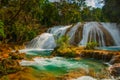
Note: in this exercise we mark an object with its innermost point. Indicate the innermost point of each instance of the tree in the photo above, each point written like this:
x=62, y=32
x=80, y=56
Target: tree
x=70, y=11
x=50, y=14
x=21, y=21
x=86, y=14
x=98, y=15
x=112, y=10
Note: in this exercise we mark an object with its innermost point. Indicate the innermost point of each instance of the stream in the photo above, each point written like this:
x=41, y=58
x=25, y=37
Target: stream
x=60, y=66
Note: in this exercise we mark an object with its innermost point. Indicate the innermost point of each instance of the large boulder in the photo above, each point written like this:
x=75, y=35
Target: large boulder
x=115, y=70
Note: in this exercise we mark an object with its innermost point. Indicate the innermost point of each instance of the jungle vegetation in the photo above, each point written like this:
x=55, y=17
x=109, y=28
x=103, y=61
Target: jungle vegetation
x=22, y=20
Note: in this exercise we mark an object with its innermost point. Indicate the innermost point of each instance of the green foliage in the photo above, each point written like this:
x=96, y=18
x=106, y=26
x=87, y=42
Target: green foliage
x=20, y=19
x=94, y=14
x=98, y=15
x=111, y=10
x=5, y=77
x=20, y=33
x=63, y=48
x=2, y=34
x=63, y=42
x=70, y=13
x=91, y=45
x=50, y=14
x=64, y=52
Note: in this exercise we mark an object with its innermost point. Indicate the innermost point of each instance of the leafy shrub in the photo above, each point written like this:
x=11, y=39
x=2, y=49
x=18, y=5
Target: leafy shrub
x=21, y=33
x=63, y=42
x=16, y=55
x=91, y=45
x=63, y=48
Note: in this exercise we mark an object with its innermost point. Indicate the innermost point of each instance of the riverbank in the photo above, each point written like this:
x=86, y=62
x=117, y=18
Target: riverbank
x=9, y=59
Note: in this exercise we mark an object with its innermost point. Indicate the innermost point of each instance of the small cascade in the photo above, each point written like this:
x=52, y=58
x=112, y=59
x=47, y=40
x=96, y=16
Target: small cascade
x=43, y=41
x=91, y=32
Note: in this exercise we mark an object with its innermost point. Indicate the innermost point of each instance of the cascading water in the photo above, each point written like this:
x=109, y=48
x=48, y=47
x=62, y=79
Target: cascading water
x=58, y=31
x=46, y=40
x=71, y=33
x=105, y=34
x=43, y=41
x=113, y=29
x=90, y=32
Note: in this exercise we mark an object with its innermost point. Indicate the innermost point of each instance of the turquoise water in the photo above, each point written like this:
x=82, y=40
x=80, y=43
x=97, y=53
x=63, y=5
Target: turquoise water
x=39, y=53
x=110, y=48
x=60, y=65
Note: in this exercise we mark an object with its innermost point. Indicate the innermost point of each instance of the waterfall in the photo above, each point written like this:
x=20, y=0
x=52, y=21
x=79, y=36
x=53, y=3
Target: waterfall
x=46, y=40
x=113, y=29
x=90, y=31
x=71, y=33
x=43, y=41
x=105, y=34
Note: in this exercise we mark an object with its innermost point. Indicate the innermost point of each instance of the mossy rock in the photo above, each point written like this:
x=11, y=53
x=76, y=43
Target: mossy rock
x=16, y=55
x=9, y=66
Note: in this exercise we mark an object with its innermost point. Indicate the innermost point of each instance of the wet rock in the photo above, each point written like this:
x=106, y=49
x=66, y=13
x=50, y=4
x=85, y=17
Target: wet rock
x=115, y=70
x=115, y=59
x=99, y=55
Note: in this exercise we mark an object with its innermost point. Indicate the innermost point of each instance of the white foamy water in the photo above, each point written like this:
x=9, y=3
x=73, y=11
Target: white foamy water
x=34, y=49
x=43, y=41
x=56, y=62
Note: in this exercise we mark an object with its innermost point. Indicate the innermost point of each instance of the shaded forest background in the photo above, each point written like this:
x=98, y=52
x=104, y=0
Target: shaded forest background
x=22, y=20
